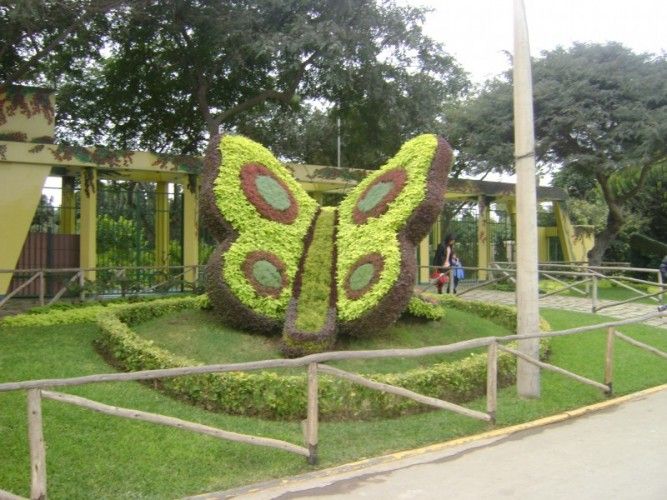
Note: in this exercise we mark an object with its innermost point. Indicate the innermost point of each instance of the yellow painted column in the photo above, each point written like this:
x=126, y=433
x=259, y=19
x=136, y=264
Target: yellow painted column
x=565, y=233
x=424, y=260
x=20, y=191
x=542, y=244
x=162, y=224
x=68, y=207
x=191, y=228
x=483, y=237
x=88, y=222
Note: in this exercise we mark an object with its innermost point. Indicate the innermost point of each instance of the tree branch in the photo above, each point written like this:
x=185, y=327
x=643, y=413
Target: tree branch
x=270, y=94
x=25, y=67
x=643, y=175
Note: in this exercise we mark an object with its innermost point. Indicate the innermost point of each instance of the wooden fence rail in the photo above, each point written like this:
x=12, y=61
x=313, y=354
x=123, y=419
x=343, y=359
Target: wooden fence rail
x=36, y=390
x=583, y=275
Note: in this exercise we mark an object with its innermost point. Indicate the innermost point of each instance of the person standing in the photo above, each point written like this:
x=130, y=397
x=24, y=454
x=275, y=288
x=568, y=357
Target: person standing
x=457, y=272
x=443, y=261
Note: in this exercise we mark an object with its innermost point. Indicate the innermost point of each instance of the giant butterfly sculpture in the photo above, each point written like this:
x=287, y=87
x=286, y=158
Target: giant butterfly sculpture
x=285, y=263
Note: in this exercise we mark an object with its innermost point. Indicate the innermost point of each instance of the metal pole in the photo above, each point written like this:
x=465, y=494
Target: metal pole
x=528, y=375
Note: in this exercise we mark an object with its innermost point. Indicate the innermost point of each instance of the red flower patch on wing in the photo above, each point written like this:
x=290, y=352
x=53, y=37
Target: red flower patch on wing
x=375, y=199
x=265, y=272
x=365, y=273
x=269, y=194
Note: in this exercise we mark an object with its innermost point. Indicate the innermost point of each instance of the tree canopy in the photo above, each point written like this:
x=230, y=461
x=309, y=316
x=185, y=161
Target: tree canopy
x=166, y=74
x=600, y=116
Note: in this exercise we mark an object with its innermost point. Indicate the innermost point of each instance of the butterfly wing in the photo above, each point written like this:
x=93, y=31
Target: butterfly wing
x=260, y=215
x=380, y=224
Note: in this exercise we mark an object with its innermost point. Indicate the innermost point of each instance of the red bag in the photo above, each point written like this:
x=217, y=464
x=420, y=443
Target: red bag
x=440, y=278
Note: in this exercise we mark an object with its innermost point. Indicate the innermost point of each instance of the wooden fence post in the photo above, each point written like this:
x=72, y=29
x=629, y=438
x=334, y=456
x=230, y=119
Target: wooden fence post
x=37, y=449
x=312, y=418
x=609, y=359
x=492, y=381
x=82, y=282
x=594, y=294
x=42, y=288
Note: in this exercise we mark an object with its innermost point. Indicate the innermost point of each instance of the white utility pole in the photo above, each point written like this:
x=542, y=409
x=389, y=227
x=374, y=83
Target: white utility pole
x=528, y=375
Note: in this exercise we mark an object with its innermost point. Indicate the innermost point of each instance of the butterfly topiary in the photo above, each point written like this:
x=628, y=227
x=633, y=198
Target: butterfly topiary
x=285, y=263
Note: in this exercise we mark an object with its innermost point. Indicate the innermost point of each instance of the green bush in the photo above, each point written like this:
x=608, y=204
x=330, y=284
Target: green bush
x=76, y=312
x=501, y=315
x=379, y=234
x=276, y=396
x=422, y=308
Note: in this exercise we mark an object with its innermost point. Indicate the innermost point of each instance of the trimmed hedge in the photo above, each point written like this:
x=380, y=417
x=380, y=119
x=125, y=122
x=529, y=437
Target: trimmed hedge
x=423, y=308
x=274, y=396
x=501, y=315
x=392, y=234
x=240, y=221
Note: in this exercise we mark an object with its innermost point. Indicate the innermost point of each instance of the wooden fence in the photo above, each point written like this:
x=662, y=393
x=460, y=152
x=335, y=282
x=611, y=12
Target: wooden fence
x=53, y=284
x=584, y=280
x=314, y=364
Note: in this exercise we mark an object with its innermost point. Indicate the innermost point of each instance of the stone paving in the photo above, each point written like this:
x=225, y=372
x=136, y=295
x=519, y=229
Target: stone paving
x=623, y=311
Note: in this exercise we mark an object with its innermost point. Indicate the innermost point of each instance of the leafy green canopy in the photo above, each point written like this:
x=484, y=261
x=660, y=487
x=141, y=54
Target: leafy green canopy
x=600, y=115
x=164, y=74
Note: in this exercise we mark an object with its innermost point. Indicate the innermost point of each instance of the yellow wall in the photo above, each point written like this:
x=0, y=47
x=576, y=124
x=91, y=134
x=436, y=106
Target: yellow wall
x=21, y=183
x=20, y=191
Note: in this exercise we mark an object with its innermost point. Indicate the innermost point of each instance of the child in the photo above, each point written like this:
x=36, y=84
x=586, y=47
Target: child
x=457, y=272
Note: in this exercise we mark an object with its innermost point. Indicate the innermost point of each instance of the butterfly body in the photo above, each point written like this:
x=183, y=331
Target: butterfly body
x=284, y=263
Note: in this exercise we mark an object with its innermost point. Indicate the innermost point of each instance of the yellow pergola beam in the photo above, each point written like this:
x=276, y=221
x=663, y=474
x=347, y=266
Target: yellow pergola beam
x=68, y=207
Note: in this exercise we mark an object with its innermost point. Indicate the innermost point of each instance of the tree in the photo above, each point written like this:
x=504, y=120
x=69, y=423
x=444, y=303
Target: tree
x=39, y=38
x=164, y=75
x=383, y=107
x=600, y=113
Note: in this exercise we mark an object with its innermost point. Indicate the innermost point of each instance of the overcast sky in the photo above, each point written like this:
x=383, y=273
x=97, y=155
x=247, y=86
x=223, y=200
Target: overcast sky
x=478, y=32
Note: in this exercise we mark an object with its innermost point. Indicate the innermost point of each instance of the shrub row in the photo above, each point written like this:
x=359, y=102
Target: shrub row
x=87, y=312
x=422, y=308
x=276, y=396
x=504, y=316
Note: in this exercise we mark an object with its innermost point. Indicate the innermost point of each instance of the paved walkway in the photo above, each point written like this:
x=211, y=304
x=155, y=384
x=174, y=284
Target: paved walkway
x=616, y=449
x=623, y=311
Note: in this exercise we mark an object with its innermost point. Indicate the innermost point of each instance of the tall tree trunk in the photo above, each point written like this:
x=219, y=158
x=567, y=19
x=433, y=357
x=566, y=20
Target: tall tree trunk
x=615, y=222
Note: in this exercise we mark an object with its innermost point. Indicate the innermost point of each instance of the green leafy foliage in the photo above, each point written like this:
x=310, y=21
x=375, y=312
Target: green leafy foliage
x=379, y=234
x=314, y=300
x=420, y=307
x=600, y=115
x=284, y=240
x=270, y=395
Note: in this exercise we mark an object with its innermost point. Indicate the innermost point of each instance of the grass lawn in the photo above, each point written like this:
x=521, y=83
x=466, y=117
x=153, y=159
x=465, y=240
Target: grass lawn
x=96, y=456
x=199, y=335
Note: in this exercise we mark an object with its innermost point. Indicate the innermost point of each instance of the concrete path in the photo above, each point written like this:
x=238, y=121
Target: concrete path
x=616, y=449
x=623, y=311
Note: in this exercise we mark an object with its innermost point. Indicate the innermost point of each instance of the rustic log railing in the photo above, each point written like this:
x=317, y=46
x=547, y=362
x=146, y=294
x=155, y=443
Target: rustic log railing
x=38, y=389
x=590, y=276
x=41, y=275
